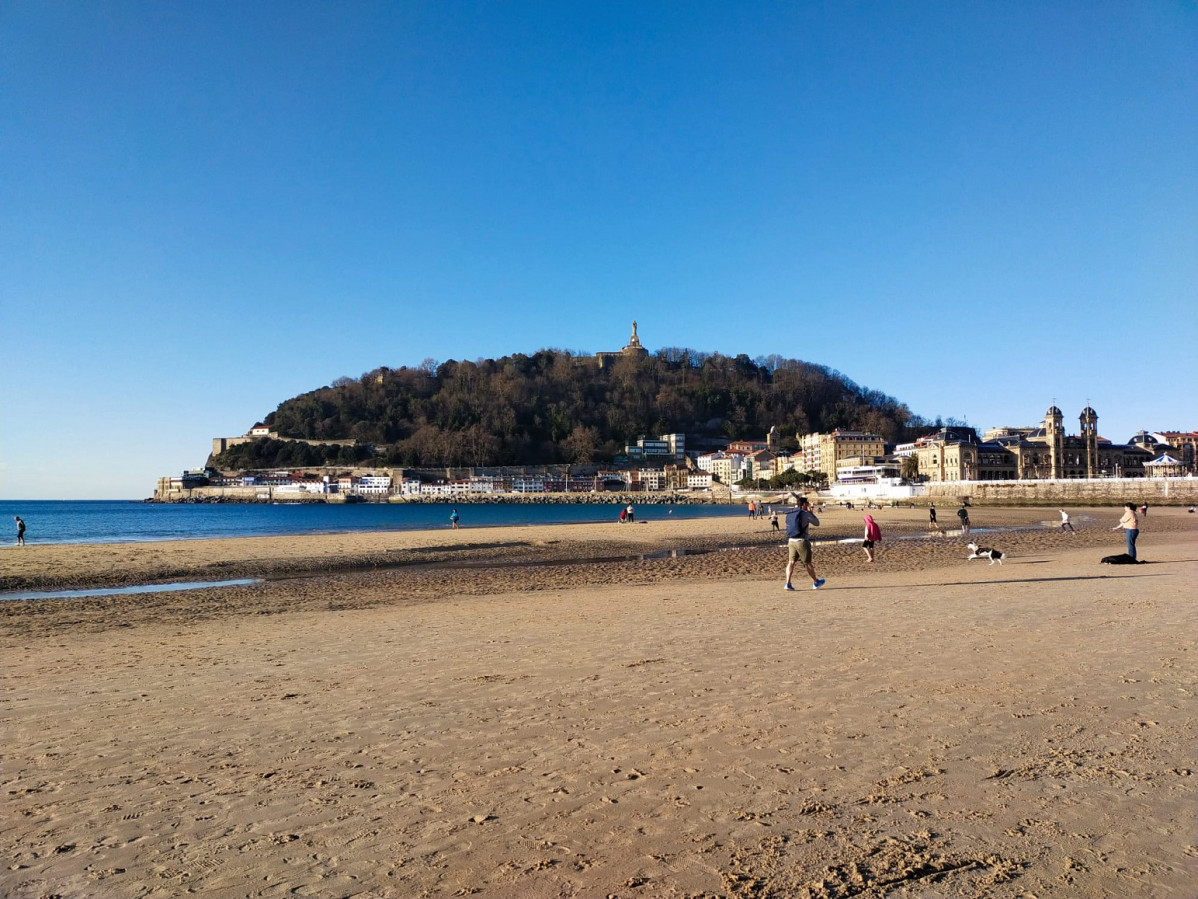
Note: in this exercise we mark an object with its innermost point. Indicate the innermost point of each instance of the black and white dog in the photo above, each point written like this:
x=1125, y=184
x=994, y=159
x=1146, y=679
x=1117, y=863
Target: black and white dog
x=984, y=552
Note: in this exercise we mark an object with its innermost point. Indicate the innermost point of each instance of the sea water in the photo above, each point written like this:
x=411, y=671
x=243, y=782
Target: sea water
x=115, y=521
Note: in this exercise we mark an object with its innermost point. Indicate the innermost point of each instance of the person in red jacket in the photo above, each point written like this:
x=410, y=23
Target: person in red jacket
x=873, y=534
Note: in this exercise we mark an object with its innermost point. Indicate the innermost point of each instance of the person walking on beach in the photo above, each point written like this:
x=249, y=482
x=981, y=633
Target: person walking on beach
x=873, y=534
x=1130, y=522
x=752, y=510
x=1065, y=523
x=774, y=519
x=963, y=514
x=798, y=544
x=453, y=519
x=20, y=530
x=932, y=515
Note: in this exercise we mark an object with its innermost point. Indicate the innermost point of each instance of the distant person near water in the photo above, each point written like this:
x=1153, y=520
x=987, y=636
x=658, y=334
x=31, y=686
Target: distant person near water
x=631, y=514
x=873, y=535
x=623, y=515
x=752, y=510
x=963, y=514
x=1130, y=523
x=453, y=519
x=1066, y=525
x=20, y=530
x=798, y=544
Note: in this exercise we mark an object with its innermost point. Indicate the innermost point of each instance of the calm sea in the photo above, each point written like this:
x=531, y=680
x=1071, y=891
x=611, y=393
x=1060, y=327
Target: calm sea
x=108, y=521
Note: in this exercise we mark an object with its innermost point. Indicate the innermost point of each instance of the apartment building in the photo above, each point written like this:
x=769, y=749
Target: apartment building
x=666, y=448
x=822, y=452
x=724, y=467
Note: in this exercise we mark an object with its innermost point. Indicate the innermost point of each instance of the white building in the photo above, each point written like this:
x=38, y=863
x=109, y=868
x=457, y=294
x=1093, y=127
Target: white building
x=724, y=467
x=528, y=484
x=374, y=485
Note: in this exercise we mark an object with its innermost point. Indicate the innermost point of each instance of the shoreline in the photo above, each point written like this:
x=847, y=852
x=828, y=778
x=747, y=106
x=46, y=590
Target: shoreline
x=380, y=567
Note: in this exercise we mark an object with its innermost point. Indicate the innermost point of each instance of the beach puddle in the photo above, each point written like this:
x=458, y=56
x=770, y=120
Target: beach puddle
x=123, y=591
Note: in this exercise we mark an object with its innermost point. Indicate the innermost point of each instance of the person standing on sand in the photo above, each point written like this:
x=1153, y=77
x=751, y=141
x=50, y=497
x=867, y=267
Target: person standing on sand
x=453, y=519
x=774, y=519
x=932, y=514
x=631, y=514
x=963, y=514
x=20, y=530
x=1130, y=523
x=752, y=510
x=1065, y=524
x=873, y=534
x=798, y=545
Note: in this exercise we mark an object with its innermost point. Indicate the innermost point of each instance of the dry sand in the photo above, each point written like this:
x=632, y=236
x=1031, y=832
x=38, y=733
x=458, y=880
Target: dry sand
x=488, y=712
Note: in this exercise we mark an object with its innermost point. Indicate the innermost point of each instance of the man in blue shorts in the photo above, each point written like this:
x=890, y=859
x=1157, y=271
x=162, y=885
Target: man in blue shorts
x=798, y=544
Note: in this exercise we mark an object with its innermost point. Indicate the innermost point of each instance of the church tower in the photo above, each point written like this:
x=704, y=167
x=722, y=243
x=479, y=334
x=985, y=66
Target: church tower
x=1089, y=421
x=1054, y=430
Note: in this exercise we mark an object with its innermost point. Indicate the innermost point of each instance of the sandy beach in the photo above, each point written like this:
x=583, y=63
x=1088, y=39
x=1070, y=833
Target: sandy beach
x=608, y=710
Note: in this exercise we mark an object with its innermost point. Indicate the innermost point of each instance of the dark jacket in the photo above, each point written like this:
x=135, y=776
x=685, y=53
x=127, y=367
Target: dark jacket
x=797, y=523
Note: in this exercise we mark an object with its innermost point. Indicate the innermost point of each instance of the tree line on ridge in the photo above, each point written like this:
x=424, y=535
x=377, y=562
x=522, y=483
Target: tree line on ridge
x=555, y=406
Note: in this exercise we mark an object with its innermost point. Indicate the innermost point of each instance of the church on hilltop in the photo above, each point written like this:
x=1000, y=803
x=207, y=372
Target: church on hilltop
x=633, y=349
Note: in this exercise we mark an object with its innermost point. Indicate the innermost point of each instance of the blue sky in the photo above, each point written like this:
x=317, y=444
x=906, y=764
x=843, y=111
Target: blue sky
x=208, y=208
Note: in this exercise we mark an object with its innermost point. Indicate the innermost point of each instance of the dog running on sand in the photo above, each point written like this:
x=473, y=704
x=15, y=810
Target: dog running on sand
x=984, y=552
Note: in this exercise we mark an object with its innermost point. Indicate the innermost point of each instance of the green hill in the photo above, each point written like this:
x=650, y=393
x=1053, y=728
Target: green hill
x=555, y=406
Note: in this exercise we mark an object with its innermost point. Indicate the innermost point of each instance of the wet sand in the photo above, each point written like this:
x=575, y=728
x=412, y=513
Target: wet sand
x=542, y=712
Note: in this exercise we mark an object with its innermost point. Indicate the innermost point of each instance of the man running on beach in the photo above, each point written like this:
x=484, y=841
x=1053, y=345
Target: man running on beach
x=798, y=546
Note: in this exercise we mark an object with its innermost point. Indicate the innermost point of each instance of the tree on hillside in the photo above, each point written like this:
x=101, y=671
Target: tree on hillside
x=554, y=407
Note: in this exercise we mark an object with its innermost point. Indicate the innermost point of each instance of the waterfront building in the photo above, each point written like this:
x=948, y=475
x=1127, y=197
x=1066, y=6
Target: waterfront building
x=867, y=471
x=724, y=467
x=949, y=456
x=1184, y=445
x=784, y=462
x=822, y=452
x=667, y=447
x=758, y=465
x=1044, y=452
x=745, y=447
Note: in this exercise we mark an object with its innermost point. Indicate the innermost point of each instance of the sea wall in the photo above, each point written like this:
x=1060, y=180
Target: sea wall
x=165, y=494
x=1075, y=492
x=1072, y=491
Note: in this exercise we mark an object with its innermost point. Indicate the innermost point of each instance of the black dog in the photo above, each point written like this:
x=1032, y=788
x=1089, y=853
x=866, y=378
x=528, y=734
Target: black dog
x=985, y=552
x=1121, y=559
